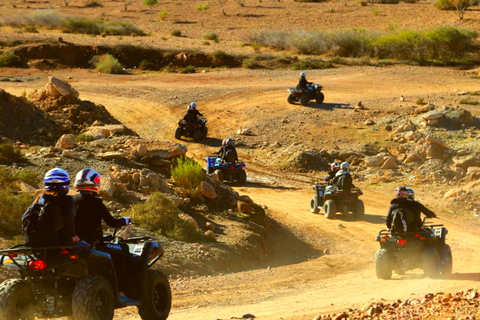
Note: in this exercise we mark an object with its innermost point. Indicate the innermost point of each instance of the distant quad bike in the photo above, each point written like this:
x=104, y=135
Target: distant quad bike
x=196, y=131
x=304, y=96
x=425, y=250
x=226, y=170
x=79, y=282
x=333, y=200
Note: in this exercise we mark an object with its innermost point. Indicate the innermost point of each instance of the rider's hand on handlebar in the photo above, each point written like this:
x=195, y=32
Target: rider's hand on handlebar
x=127, y=220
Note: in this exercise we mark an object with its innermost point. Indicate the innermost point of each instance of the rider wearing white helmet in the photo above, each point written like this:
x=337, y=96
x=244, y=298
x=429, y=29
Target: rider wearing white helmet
x=343, y=178
x=302, y=82
x=192, y=114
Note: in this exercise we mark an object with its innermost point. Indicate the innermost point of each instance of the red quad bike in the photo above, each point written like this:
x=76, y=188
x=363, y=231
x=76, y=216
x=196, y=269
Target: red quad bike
x=80, y=283
x=333, y=200
x=313, y=92
x=425, y=250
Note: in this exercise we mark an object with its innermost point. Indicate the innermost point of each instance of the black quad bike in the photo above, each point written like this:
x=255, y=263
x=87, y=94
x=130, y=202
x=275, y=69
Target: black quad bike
x=196, y=131
x=79, y=282
x=313, y=92
x=333, y=200
x=425, y=249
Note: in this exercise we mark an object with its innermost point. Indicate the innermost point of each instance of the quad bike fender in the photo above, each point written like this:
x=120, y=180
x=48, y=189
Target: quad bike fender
x=100, y=263
x=151, y=252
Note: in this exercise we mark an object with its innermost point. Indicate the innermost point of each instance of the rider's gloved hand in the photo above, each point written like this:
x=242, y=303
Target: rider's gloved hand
x=127, y=220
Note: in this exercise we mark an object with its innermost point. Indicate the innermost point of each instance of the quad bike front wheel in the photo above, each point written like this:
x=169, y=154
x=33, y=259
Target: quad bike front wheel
x=158, y=297
x=330, y=209
x=383, y=268
x=447, y=260
x=241, y=177
x=319, y=97
x=178, y=133
x=93, y=299
x=359, y=210
x=431, y=262
x=314, y=204
x=17, y=300
x=304, y=99
x=291, y=98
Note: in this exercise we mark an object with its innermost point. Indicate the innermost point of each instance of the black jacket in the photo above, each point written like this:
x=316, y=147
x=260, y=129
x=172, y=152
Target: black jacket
x=302, y=83
x=89, y=213
x=224, y=149
x=191, y=116
x=343, y=180
x=416, y=207
x=331, y=175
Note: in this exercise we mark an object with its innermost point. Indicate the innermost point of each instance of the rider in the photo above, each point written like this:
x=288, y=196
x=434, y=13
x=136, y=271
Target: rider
x=191, y=117
x=58, y=212
x=334, y=167
x=303, y=84
x=418, y=209
x=89, y=213
x=227, y=152
x=343, y=178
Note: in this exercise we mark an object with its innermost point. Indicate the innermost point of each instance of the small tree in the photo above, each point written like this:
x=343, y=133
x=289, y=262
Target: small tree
x=222, y=4
x=202, y=7
x=462, y=6
x=150, y=3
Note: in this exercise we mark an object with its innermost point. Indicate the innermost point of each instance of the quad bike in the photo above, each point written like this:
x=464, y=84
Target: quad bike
x=79, y=282
x=425, y=249
x=333, y=200
x=230, y=171
x=196, y=131
x=313, y=92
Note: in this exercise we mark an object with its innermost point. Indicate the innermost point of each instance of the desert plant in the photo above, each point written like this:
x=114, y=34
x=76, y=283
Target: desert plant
x=188, y=69
x=211, y=36
x=250, y=63
x=469, y=102
x=176, y=33
x=108, y=64
x=444, y=5
x=83, y=137
x=160, y=215
x=30, y=177
x=219, y=56
x=148, y=65
x=9, y=59
x=9, y=154
x=241, y=3
x=187, y=175
x=202, y=8
x=375, y=12
x=150, y=4
x=162, y=15
x=420, y=101
x=30, y=29
x=222, y=5
x=462, y=6
x=257, y=47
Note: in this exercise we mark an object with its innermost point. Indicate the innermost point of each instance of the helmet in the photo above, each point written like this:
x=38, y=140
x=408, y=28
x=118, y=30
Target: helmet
x=224, y=142
x=88, y=180
x=56, y=179
x=411, y=193
x=345, y=166
x=192, y=106
x=229, y=142
x=401, y=192
x=335, y=166
x=303, y=74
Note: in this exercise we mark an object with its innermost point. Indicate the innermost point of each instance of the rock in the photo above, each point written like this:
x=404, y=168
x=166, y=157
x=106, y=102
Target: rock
x=453, y=193
x=374, y=161
x=413, y=157
x=432, y=116
x=178, y=201
x=156, y=161
x=246, y=199
x=366, y=306
x=390, y=163
x=209, y=234
x=369, y=122
x=25, y=187
x=150, y=182
x=388, y=127
x=139, y=151
x=67, y=153
x=465, y=162
x=210, y=226
x=67, y=141
x=245, y=132
x=189, y=219
x=436, y=141
x=432, y=151
x=244, y=207
x=109, y=155
x=97, y=133
x=64, y=88
x=208, y=190
x=162, y=149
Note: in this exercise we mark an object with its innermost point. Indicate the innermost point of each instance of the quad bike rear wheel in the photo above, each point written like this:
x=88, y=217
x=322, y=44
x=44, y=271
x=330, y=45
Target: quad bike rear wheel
x=291, y=98
x=93, y=299
x=17, y=300
x=178, y=133
x=158, y=297
x=330, y=209
x=319, y=97
x=197, y=135
x=359, y=210
x=304, y=99
x=314, y=204
x=431, y=262
x=241, y=177
x=447, y=260
x=219, y=174
x=383, y=268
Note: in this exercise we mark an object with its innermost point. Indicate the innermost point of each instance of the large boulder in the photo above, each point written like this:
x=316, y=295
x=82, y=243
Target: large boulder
x=390, y=163
x=449, y=118
x=66, y=141
x=161, y=149
x=207, y=190
x=465, y=162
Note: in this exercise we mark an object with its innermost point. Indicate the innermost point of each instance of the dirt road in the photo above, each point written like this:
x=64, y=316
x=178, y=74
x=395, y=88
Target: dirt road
x=151, y=105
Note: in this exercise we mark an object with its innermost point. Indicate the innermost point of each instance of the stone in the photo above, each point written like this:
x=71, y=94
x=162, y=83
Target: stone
x=465, y=162
x=139, y=151
x=109, y=155
x=156, y=161
x=453, y=193
x=413, y=157
x=163, y=149
x=209, y=234
x=66, y=141
x=245, y=132
x=25, y=187
x=436, y=141
x=374, y=161
x=433, y=116
x=67, y=153
x=189, y=219
x=62, y=87
x=369, y=122
x=246, y=199
x=244, y=207
x=207, y=190
x=97, y=133
x=210, y=226
x=390, y=163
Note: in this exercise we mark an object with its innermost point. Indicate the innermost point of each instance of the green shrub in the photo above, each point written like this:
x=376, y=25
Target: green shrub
x=251, y=63
x=219, y=55
x=421, y=101
x=148, y=65
x=257, y=47
x=9, y=59
x=375, y=12
x=108, y=64
x=187, y=175
x=307, y=64
x=469, y=102
x=176, y=33
x=30, y=29
x=9, y=154
x=83, y=137
x=444, y=5
x=160, y=215
x=189, y=69
x=162, y=15
x=211, y=36
x=30, y=177
x=13, y=204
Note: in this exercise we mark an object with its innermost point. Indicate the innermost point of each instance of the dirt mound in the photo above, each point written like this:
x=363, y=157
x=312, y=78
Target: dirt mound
x=22, y=121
